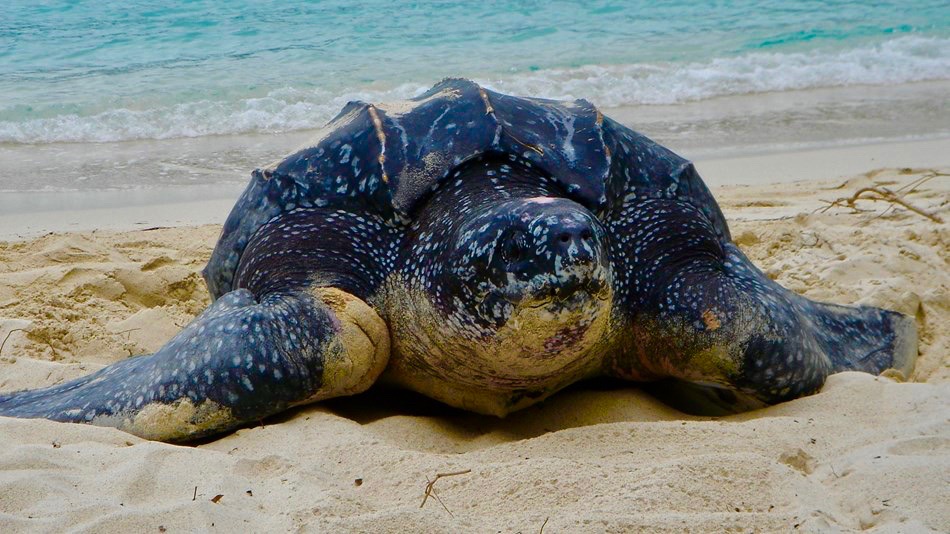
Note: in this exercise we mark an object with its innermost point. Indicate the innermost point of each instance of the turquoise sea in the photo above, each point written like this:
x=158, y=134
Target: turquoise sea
x=105, y=72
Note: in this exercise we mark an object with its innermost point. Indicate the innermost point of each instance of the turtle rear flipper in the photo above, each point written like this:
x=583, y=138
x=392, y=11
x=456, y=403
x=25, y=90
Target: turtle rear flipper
x=238, y=362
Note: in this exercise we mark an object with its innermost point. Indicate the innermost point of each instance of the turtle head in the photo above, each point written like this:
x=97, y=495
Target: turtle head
x=536, y=262
x=507, y=292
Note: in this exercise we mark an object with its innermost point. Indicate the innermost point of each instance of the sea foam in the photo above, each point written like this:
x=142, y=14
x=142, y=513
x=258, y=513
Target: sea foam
x=900, y=60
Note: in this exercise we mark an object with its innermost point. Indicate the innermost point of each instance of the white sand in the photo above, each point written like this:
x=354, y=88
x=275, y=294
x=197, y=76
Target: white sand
x=865, y=453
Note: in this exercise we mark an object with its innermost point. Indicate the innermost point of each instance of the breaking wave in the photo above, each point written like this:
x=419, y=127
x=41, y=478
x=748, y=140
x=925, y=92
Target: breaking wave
x=901, y=60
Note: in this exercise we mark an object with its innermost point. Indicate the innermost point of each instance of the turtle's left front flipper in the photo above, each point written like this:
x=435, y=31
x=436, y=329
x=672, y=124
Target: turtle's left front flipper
x=696, y=309
x=240, y=361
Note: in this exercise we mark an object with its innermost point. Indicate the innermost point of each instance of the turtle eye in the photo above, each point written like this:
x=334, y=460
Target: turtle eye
x=514, y=249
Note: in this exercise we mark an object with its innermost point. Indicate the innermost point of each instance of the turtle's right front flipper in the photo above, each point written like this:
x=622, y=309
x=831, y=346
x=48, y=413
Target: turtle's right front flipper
x=240, y=361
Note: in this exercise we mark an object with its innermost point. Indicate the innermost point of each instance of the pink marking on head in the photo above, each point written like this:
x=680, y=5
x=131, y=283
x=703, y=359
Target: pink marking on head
x=541, y=200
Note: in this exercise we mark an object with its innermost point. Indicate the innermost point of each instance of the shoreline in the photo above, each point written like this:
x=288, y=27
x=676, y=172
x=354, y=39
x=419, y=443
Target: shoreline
x=28, y=214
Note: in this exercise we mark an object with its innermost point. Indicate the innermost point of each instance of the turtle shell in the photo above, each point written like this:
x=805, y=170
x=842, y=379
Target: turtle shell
x=385, y=159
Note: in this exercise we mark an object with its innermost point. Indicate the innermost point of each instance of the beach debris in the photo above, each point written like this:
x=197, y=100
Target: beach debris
x=543, y=524
x=4, y=342
x=883, y=194
x=217, y=498
x=128, y=332
x=358, y=482
x=430, y=488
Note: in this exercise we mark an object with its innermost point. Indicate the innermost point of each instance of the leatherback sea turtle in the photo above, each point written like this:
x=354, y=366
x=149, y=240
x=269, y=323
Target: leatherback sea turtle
x=487, y=251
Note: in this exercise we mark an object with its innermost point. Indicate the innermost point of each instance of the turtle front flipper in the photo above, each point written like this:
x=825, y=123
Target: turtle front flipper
x=696, y=309
x=243, y=359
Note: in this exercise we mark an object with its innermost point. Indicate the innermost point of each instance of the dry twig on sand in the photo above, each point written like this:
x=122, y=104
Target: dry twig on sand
x=10, y=333
x=430, y=489
x=883, y=194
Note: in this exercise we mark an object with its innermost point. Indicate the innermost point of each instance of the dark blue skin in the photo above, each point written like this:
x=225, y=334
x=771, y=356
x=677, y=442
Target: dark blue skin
x=477, y=205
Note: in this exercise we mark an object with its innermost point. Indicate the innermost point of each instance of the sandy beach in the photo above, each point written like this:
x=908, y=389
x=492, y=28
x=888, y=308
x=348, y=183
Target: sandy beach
x=83, y=288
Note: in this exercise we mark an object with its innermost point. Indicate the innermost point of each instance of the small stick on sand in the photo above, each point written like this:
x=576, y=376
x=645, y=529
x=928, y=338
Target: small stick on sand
x=4, y=342
x=436, y=495
x=877, y=194
x=912, y=186
x=430, y=490
x=129, y=331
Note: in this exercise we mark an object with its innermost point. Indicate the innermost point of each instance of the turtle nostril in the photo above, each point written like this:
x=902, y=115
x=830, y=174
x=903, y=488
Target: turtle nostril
x=565, y=237
x=586, y=234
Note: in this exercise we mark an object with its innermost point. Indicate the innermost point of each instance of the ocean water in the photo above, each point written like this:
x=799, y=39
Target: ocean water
x=108, y=72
